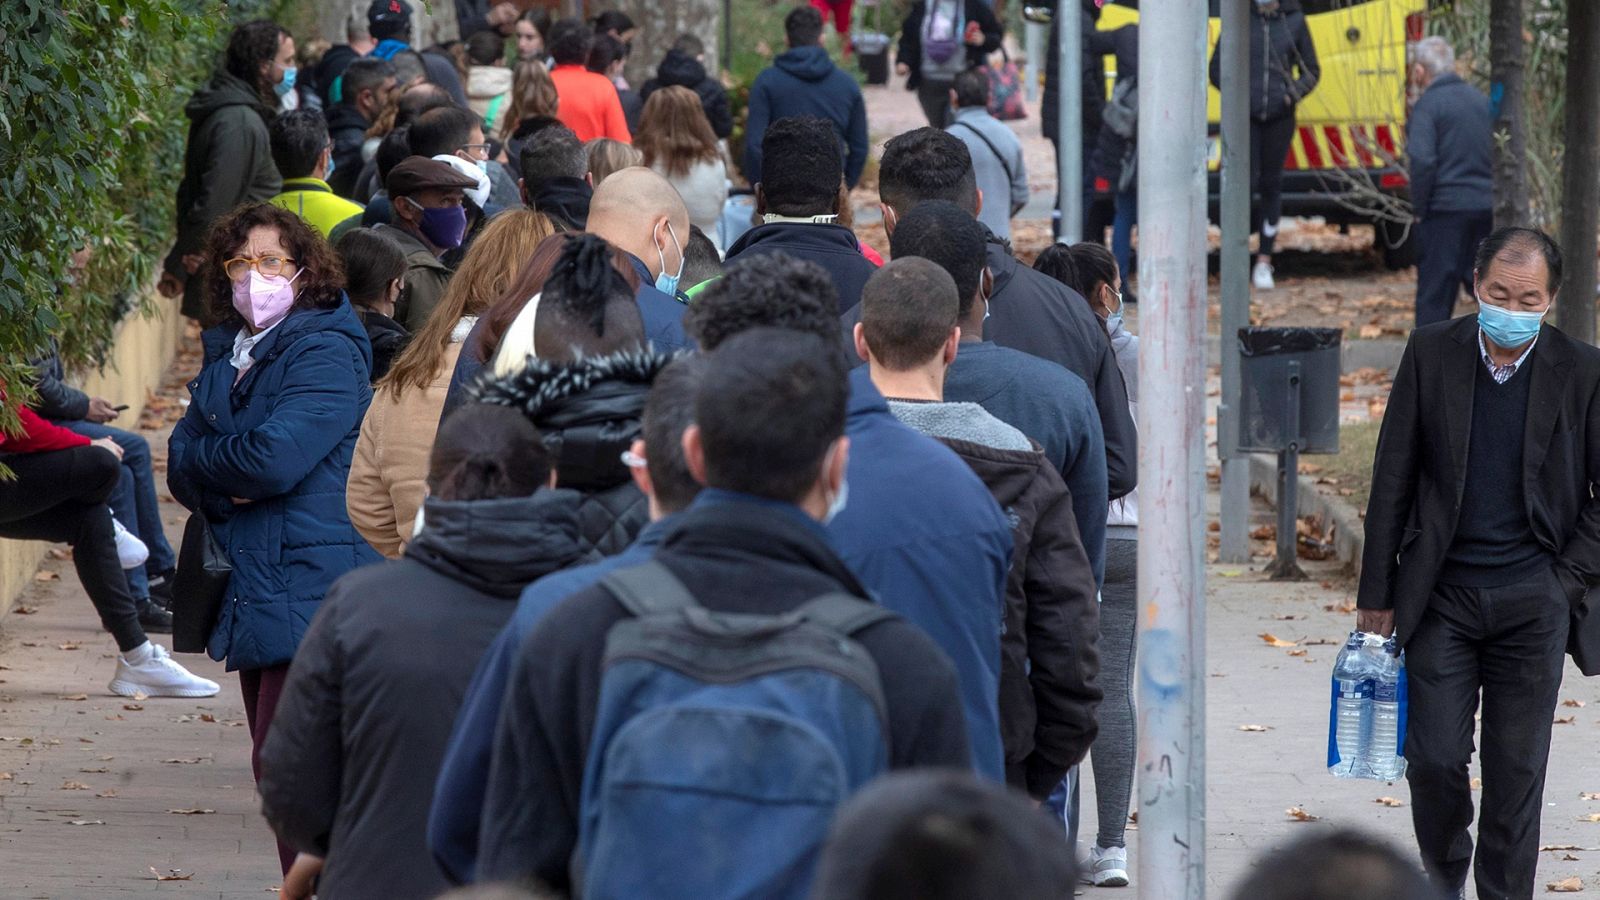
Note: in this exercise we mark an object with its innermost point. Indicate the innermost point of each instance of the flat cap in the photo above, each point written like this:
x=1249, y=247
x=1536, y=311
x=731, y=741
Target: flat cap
x=419, y=173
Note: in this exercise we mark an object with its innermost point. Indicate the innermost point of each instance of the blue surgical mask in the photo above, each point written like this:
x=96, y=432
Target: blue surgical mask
x=668, y=284
x=328, y=172
x=286, y=83
x=1114, y=322
x=1506, y=328
x=840, y=500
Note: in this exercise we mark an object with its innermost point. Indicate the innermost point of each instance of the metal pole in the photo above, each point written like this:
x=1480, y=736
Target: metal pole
x=1069, y=121
x=1235, y=274
x=1172, y=438
x=1033, y=42
x=1579, y=215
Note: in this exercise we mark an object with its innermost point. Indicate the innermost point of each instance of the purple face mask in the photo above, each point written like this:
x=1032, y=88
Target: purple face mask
x=263, y=300
x=445, y=226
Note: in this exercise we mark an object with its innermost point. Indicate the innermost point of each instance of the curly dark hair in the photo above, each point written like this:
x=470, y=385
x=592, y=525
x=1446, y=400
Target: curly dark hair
x=250, y=45
x=775, y=290
x=319, y=284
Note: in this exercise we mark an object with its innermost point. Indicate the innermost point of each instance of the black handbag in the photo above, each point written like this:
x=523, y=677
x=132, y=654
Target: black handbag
x=199, y=586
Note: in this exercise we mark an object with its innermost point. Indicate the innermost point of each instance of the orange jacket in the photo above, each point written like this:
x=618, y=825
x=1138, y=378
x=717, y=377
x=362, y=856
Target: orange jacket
x=589, y=104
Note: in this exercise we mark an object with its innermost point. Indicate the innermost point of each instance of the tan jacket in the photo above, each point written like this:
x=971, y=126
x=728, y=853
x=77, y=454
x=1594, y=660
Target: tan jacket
x=390, y=465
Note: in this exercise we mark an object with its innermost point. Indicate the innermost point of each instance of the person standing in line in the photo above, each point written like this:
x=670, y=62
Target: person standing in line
x=530, y=30
x=533, y=94
x=679, y=144
x=228, y=158
x=939, y=40
x=607, y=57
x=803, y=81
x=588, y=101
x=303, y=153
x=489, y=80
x=368, y=84
x=263, y=452
x=1482, y=551
x=1451, y=149
x=375, y=273
x=607, y=157
x=1283, y=70
x=996, y=153
x=685, y=66
x=429, y=219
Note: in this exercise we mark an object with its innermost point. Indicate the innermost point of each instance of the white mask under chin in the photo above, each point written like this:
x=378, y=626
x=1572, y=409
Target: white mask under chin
x=418, y=522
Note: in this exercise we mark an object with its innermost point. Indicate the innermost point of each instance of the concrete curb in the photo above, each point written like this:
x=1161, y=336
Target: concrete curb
x=1349, y=532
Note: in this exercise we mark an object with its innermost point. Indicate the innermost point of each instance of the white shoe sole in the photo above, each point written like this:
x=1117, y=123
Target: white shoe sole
x=1112, y=878
x=128, y=689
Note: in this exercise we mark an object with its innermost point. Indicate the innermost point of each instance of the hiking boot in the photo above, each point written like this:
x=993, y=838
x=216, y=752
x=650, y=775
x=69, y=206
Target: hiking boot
x=1105, y=867
x=157, y=675
x=131, y=551
x=154, y=618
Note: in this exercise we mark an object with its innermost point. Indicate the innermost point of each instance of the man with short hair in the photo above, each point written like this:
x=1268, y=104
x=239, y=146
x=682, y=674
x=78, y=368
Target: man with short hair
x=997, y=161
x=366, y=87
x=639, y=211
x=909, y=331
x=304, y=156
x=920, y=530
x=804, y=82
x=1450, y=149
x=589, y=103
x=1482, y=551
x=555, y=177
x=1029, y=311
x=429, y=220
x=768, y=444
x=800, y=200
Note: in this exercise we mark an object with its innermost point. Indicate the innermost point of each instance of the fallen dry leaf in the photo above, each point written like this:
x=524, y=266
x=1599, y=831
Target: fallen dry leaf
x=180, y=762
x=191, y=812
x=1476, y=784
x=172, y=875
x=1348, y=606
x=1391, y=802
x=1565, y=886
x=1273, y=640
x=1586, y=795
x=1300, y=652
x=1574, y=703
x=1255, y=727
x=1565, y=720
x=6, y=776
x=1300, y=815
x=69, y=645
x=87, y=822
x=107, y=794
x=25, y=610
x=1287, y=617
x=132, y=707
x=1559, y=847
x=46, y=576
x=207, y=717
x=1321, y=642
x=74, y=786
x=99, y=771
x=1568, y=857
x=74, y=696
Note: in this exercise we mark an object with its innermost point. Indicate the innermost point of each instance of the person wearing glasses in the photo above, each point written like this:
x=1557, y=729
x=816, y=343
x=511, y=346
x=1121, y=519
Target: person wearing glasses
x=264, y=450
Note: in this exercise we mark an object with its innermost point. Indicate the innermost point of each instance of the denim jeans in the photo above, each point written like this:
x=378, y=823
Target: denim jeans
x=1062, y=806
x=134, y=503
x=1122, y=229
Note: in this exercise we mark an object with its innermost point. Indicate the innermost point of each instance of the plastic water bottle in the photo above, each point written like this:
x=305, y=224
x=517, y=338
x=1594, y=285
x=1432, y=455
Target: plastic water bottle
x=1388, y=717
x=1350, y=720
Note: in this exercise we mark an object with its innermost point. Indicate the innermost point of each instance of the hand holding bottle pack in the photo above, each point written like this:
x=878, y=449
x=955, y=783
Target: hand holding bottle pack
x=1367, y=724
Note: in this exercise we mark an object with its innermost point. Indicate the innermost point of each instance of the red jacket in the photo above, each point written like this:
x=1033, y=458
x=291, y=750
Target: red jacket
x=39, y=436
x=589, y=104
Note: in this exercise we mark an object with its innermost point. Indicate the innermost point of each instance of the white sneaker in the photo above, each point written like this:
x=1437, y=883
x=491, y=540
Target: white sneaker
x=1262, y=276
x=131, y=551
x=1104, y=867
x=159, y=676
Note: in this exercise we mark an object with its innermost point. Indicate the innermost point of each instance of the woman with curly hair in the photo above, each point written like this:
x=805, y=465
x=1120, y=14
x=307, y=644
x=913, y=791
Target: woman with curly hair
x=677, y=142
x=263, y=451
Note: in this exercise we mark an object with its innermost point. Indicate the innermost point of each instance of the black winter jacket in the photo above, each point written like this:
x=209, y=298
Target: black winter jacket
x=1092, y=84
x=347, y=128
x=1112, y=152
x=833, y=247
x=910, y=50
x=682, y=70
x=57, y=400
x=588, y=411
x=366, y=714
x=388, y=338
x=1283, y=63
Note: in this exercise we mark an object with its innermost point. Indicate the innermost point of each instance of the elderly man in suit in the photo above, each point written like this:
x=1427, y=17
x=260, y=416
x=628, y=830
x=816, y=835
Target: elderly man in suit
x=1483, y=538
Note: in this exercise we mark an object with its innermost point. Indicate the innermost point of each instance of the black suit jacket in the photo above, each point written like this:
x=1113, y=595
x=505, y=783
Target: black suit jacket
x=1421, y=467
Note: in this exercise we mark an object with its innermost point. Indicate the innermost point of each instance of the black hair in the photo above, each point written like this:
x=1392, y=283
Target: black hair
x=771, y=404
x=539, y=18
x=443, y=131
x=392, y=23
x=613, y=20
x=533, y=124
x=372, y=261
x=418, y=99
x=772, y=291
x=803, y=26
x=943, y=232
x=1094, y=265
x=364, y=74
x=297, y=139
x=942, y=835
x=1515, y=244
x=1333, y=866
x=667, y=412
x=485, y=451
x=395, y=146
x=585, y=298
x=408, y=67
x=486, y=48
x=927, y=164
x=972, y=88
x=250, y=45
x=907, y=310
x=569, y=42
x=607, y=49
x=1056, y=261
x=701, y=262
x=551, y=153
x=689, y=45
x=802, y=166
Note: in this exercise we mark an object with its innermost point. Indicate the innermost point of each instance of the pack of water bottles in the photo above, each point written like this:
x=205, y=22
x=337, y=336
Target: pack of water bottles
x=1367, y=725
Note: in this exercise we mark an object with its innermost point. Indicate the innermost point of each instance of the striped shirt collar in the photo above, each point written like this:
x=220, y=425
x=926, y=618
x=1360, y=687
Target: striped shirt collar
x=1502, y=374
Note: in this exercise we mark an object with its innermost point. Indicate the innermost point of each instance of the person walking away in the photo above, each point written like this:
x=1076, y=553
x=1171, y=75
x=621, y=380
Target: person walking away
x=263, y=451
x=228, y=157
x=803, y=81
x=997, y=160
x=1450, y=149
x=61, y=484
x=1092, y=103
x=390, y=461
x=940, y=39
x=488, y=79
x=368, y=84
x=429, y=219
x=589, y=103
x=768, y=444
x=375, y=273
x=1479, y=553
x=909, y=330
x=800, y=202
x=678, y=144
x=303, y=153
x=1283, y=71
x=1114, y=163
x=554, y=169
x=684, y=65
x=348, y=770
x=533, y=94
x=607, y=157
x=607, y=57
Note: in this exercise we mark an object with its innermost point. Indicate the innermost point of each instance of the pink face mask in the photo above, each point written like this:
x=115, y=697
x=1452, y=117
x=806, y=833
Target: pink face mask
x=263, y=300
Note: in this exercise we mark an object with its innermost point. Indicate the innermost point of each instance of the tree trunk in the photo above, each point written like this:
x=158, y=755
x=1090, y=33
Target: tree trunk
x=1580, y=203
x=1510, y=123
x=660, y=22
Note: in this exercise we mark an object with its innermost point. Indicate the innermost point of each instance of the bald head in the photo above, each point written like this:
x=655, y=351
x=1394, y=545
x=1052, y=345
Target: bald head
x=639, y=211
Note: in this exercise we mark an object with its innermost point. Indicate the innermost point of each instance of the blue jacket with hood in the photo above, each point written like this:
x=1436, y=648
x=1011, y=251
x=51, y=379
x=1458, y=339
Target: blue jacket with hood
x=280, y=438
x=805, y=82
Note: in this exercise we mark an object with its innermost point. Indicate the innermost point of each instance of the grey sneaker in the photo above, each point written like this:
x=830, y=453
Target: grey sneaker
x=1105, y=867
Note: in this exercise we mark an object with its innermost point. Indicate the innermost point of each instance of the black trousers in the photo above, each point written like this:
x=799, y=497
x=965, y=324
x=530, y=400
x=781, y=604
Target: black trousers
x=1446, y=244
x=934, y=96
x=1269, y=146
x=61, y=496
x=1509, y=643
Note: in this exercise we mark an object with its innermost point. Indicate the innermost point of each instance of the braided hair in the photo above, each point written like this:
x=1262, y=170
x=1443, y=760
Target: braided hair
x=583, y=281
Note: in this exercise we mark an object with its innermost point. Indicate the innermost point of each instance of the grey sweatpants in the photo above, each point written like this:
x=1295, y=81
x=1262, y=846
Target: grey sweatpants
x=1115, y=749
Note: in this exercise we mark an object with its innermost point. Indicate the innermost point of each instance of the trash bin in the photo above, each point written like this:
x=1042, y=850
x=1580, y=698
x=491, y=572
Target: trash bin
x=872, y=53
x=1290, y=380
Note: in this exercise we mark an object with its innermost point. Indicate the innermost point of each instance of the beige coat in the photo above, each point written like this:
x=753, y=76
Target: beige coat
x=390, y=465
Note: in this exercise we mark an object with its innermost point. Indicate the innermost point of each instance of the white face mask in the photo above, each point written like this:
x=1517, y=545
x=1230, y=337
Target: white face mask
x=841, y=499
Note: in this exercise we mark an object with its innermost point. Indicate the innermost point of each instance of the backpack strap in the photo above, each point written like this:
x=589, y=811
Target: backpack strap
x=844, y=613
x=649, y=588
x=992, y=148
